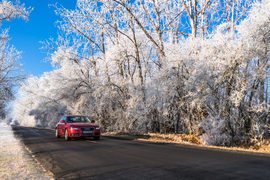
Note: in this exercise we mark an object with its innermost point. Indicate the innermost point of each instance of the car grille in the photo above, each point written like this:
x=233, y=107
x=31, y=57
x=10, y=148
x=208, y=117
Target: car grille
x=87, y=129
x=75, y=134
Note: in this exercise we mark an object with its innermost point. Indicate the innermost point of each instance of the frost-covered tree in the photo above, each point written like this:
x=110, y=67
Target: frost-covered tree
x=10, y=67
x=13, y=9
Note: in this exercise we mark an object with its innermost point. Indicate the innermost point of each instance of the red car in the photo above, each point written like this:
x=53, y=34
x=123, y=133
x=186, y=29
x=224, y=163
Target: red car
x=74, y=126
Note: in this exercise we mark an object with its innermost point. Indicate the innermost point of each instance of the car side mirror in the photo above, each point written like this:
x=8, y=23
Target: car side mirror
x=62, y=121
x=93, y=121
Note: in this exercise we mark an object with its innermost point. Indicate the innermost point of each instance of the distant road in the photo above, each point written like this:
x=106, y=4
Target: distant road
x=116, y=158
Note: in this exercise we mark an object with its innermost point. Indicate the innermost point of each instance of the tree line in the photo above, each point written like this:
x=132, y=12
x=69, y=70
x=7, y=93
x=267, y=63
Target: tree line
x=162, y=66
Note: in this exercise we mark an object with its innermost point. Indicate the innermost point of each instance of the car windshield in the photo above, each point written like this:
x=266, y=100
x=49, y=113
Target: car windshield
x=75, y=119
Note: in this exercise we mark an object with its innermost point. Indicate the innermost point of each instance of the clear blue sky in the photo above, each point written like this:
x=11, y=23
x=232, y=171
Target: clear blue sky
x=27, y=35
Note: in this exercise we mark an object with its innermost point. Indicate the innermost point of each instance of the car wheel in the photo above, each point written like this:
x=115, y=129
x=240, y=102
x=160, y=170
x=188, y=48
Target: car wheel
x=96, y=138
x=67, y=138
x=56, y=133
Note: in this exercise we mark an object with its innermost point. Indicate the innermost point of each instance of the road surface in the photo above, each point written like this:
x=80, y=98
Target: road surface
x=116, y=158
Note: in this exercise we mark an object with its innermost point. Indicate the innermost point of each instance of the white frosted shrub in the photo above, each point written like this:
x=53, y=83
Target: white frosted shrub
x=215, y=132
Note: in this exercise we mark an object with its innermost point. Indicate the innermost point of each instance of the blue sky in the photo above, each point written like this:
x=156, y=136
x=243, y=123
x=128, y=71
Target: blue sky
x=25, y=36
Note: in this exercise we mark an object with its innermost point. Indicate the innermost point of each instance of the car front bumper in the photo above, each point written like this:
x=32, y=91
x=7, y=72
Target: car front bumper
x=78, y=133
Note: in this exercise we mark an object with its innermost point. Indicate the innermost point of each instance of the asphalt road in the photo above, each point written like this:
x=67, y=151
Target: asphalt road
x=116, y=158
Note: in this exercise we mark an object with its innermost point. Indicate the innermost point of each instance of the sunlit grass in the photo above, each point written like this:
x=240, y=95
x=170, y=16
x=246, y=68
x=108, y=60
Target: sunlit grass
x=15, y=161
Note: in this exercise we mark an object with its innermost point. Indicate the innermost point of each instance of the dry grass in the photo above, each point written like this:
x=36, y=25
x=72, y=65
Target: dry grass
x=260, y=147
x=15, y=161
x=174, y=138
x=166, y=138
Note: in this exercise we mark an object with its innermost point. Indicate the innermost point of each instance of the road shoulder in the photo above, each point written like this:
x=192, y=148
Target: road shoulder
x=16, y=161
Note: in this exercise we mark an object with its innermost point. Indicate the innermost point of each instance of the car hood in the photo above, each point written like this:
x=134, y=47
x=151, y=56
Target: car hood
x=83, y=124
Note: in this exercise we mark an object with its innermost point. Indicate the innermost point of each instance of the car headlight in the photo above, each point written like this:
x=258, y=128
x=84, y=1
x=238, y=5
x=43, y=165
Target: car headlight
x=73, y=128
x=97, y=128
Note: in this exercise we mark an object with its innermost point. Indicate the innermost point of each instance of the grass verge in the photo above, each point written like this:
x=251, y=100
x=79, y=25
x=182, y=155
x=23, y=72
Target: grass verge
x=15, y=161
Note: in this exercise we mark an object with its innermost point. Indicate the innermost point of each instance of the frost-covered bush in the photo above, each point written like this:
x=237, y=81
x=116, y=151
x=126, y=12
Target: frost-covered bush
x=215, y=132
x=48, y=115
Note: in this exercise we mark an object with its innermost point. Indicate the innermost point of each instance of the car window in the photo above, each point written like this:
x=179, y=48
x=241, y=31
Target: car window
x=75, y=119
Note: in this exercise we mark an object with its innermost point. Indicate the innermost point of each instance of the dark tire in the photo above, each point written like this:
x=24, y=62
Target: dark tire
x=67, y=138
x=56, y=133
x=96, y=138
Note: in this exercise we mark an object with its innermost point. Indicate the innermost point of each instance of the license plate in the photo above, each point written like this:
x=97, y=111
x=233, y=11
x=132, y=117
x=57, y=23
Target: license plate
x=87, y=132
